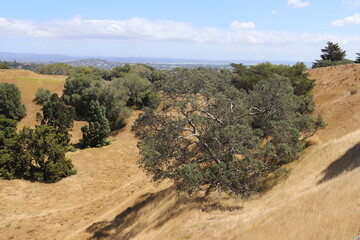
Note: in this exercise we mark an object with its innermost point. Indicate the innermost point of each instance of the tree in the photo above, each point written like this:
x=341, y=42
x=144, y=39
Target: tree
x=332, y=55
x=82, y=88
x=10, y=102
x=210, y=134
x=39, y=155
x=54, y=69
x=42, y=96
x=98, y=130
x=358, y=58
x=32, y=154
x=3, y=66
x=60, y=117
x=333, y=52
x=7, y=141
x=114, y=98
x=139, y=90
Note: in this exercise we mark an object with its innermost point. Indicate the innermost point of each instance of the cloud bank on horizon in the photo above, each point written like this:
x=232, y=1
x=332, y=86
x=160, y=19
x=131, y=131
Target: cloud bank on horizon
x=249, y=36
x=162, y=30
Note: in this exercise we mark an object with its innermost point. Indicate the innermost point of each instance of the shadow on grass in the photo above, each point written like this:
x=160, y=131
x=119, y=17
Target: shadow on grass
x=134, y=220
x=348, y=162
x=141, y=217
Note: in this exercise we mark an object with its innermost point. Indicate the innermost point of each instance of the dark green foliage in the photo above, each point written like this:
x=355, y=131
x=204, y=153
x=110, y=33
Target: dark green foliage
x=332, y=55
x=7, y=141
x=33, y=154
x=246, y=77
x=333, y=52
x=118, y=72
x=98, y=130
x=42, y=96
x=54, y=69
x=39, y=155
x=3, y=66
x=357, y=58
x=328, y=63
x=10, y=102
x=82, y=88
x=226, y=130
x=139, y=91
x=60, y=117
x=114, y=98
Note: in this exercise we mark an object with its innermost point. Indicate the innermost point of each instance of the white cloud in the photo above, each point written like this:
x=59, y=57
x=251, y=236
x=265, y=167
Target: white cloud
x=298, y=3
x=351, y=20
x=352, y=3
x=18, y=28
x=141, y=30
x=242, y=25
x=273, y=12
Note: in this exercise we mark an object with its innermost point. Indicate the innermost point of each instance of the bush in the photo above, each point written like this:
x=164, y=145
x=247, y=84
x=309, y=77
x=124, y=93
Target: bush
x=328, y=63
x=42, y=96
x=37, y=155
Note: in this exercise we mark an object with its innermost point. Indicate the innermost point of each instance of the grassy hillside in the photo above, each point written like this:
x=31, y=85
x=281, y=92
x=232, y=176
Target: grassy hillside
x=110, y=198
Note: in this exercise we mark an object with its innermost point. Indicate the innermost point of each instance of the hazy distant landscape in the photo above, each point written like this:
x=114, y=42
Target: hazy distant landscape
x=111, y=62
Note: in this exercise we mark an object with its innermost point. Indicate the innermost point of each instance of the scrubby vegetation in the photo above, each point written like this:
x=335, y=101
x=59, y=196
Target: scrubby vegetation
x=226, y=129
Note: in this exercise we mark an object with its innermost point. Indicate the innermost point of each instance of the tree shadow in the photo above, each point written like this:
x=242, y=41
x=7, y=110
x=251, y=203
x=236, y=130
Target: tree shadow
x=134, y=220
x=168, y=204
x=348, y=162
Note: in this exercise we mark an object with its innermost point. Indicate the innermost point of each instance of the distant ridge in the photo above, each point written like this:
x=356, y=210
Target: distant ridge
x=116, y=61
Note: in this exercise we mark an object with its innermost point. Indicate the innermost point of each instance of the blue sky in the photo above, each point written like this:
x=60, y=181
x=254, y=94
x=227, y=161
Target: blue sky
x=216, y=30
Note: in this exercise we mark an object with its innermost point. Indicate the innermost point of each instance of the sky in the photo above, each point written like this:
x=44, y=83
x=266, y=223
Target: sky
x=293, y=30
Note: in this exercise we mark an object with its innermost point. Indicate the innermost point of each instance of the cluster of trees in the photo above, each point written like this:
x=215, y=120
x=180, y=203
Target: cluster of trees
x=212, y=129
x=34, y=154
x=17, y=65
x=333, y=55
x=224, y=129
x=105, y=98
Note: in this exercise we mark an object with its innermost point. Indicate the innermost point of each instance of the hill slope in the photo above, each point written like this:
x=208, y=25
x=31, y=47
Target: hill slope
x=110, y=198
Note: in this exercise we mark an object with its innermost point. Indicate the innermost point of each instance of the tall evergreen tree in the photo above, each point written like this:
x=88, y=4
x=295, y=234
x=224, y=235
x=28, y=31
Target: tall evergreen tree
x=98, y=130
x=358, y=58
x=333, y=52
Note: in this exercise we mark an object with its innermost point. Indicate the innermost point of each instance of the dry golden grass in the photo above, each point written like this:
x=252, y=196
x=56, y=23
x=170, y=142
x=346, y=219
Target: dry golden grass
x=110, y=198
x=28, y=82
